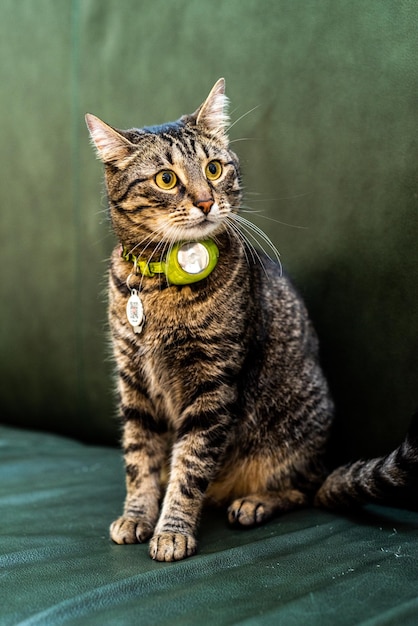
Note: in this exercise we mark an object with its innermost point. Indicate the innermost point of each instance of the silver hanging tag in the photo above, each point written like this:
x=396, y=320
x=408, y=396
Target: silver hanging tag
x=135, y=311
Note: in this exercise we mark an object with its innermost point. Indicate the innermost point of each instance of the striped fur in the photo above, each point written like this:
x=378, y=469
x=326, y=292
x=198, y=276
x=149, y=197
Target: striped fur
x=391, y=479
x=223, y=386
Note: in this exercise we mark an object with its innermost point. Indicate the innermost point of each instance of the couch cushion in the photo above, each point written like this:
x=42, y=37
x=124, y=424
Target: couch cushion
x=58, y=566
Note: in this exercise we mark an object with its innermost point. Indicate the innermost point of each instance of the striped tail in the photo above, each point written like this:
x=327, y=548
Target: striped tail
x=390, y=480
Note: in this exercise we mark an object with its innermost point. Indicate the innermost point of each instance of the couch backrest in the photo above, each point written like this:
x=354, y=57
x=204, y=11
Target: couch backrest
x=330, y=151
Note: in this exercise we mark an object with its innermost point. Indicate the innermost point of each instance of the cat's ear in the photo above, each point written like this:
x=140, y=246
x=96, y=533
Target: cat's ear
x=213, y=113
x=111, y=146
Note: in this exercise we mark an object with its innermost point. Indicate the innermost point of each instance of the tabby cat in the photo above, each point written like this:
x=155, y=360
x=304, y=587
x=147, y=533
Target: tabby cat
x=217, y=360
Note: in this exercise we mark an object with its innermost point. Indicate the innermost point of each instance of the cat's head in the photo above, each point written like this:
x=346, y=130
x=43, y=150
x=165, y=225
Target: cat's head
x=174, y=182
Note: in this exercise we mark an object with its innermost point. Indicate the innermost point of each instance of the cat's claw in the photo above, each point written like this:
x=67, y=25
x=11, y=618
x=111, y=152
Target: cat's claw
x=247, y=512
x=172, y=546
x=130, y=530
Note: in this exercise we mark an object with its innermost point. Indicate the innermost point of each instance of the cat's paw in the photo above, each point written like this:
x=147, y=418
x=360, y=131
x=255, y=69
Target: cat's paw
x=248, y=512
x=130, y=530
x=172, y=546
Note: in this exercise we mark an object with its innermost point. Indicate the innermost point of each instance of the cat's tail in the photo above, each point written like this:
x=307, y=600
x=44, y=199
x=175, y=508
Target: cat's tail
x=390, y=480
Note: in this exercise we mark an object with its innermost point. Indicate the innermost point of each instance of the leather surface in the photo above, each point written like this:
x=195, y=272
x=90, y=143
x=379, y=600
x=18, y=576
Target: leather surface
x=330, y=149
x=58, y=567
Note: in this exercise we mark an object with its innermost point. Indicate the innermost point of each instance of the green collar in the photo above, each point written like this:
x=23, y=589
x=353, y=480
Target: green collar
x=186, y=262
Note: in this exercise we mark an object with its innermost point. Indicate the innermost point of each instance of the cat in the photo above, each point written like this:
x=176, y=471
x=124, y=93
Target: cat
x=218, y=369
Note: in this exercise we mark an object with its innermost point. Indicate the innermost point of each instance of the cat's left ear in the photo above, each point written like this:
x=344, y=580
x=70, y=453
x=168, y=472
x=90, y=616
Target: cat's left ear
x=213, y=113
x=111, y=146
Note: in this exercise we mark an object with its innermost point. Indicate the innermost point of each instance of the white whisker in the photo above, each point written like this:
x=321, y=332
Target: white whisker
x=234, y=229
x=250, y=226
x=244, y=232
x=245, y=209
x=242, y=116
x=255, y=256
x=243, y=139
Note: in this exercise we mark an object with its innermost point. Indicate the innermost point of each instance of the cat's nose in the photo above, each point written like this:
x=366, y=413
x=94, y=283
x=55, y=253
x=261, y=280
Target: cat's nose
x=205, y=205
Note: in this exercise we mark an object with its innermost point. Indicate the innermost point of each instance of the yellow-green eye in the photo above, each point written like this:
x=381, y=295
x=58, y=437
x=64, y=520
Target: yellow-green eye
x=213, y=170
x=166, y=179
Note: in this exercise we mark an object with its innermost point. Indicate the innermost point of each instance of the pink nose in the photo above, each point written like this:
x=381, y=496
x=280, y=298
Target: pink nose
x=205, y=205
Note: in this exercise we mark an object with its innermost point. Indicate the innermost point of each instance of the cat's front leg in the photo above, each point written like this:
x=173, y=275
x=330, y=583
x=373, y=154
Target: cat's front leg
x=144, y=450
x=196, y=457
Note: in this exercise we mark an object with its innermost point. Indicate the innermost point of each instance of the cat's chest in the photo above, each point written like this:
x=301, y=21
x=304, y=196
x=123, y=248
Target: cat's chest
x=172, y=315
x=162, y=355
x=173, y=324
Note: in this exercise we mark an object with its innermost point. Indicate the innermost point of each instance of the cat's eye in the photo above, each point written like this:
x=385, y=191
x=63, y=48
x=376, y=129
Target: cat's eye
x=213, y=170
x=166, y=179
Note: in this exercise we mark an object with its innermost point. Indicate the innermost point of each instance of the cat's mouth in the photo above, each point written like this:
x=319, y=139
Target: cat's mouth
x=198, y=225
x=200, y=229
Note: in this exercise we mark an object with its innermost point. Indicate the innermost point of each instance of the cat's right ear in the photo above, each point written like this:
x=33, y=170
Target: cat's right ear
x=110, y=145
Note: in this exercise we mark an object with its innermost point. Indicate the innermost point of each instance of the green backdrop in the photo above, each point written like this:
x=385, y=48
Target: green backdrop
x=329, y=155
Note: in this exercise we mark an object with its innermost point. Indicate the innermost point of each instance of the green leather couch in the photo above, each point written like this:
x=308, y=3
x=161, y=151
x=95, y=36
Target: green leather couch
x=324, y=95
